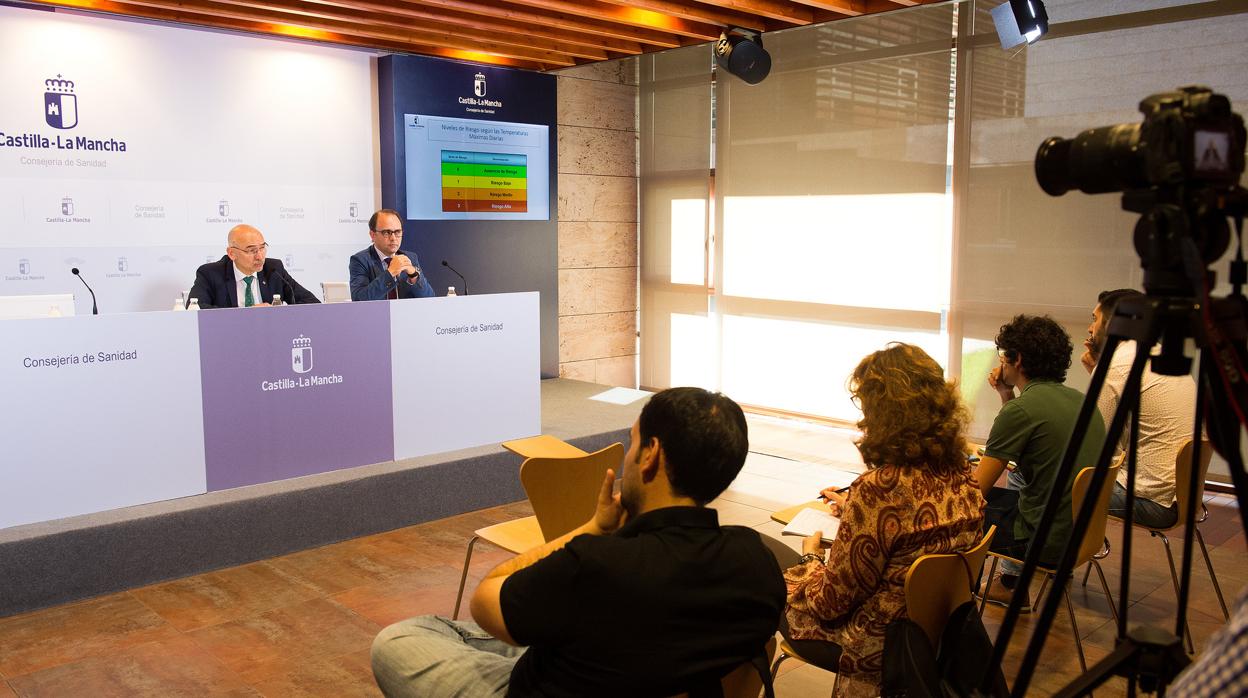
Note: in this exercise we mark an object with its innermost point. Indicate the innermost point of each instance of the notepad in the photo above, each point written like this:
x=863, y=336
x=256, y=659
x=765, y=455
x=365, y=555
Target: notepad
x=808, y=521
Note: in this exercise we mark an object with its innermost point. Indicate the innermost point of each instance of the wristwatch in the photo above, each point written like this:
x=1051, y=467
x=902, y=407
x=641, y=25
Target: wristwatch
x=810, y=557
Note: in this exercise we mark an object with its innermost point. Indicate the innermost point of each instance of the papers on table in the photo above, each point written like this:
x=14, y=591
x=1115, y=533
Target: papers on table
x=621, y=396
x=808, y=521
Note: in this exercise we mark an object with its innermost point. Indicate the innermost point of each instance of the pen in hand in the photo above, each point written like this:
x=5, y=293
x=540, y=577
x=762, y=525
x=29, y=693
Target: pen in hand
x=842, y=490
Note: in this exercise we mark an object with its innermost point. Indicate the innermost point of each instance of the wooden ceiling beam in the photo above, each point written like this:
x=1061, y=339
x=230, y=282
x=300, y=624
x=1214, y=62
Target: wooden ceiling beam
x=433, y=37
x=363, y=15
x=126, y=9
x=714, y=13
x=628, y=16
x=480, y=22
x=780, y=10
x=576, y=23
x=850, y=8
x=207, y=12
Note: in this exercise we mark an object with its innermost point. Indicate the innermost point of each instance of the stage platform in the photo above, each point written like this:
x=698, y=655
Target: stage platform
x=53, y=562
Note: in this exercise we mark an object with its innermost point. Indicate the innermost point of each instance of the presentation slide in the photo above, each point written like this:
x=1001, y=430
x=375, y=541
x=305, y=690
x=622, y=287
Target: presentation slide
x=472, y=169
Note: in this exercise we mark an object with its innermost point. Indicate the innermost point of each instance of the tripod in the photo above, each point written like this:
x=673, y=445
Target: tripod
x=1149, y=657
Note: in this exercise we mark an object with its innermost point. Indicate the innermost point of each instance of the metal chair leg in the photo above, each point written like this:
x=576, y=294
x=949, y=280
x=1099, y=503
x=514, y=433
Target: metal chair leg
x=1043, y=586
x=1087, y=572
x=1174, y=579
x=1070, y=608
x=463, y=578
x=983, y=600
x=1217, y=588
x=780, y=657
x=1104, y=587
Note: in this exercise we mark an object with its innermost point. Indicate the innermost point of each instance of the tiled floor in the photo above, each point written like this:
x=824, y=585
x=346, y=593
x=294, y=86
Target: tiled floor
x=301, y=624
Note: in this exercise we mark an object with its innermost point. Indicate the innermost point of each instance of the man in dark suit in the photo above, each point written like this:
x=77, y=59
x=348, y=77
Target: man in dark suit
x=383, y=271
x=243, y=278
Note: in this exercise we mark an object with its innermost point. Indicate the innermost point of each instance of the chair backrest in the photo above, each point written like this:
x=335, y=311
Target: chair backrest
x=1094, y=536
x=335, y=291
x=744, y=681
x=1183, y=471
x=936, y=584
x=563, y=491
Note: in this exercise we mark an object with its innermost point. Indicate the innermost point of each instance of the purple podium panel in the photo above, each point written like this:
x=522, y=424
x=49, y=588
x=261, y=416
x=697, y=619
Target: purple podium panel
x=294, y=390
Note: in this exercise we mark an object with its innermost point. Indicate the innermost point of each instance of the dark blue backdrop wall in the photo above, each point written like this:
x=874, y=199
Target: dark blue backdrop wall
x=495, y=256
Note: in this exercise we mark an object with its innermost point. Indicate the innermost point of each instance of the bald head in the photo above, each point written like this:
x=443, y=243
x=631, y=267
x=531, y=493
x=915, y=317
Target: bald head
x=246, y=248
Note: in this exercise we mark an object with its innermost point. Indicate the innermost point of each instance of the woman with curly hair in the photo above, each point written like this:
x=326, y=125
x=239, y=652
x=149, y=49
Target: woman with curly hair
x=919, y=496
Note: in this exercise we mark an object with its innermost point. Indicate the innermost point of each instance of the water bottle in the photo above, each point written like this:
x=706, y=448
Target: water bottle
x=277, y=299
x=194, y=304
x=179, y=303
x=450, y=291
x=54, y=311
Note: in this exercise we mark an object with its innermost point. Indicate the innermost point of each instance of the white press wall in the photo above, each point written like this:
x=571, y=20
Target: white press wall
x=218, y=129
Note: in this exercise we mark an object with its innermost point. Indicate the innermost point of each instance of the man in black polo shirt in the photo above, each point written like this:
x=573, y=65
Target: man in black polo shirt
x=651, y=597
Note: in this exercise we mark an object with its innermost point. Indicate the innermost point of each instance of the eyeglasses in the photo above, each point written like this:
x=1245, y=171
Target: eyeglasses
x=396, y=233
x=254, y=249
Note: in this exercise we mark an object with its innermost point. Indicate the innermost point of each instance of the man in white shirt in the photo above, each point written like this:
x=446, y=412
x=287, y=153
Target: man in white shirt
x=1167, y=409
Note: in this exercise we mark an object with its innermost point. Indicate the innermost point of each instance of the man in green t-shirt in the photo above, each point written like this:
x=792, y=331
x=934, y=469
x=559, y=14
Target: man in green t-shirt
x=1031, y=430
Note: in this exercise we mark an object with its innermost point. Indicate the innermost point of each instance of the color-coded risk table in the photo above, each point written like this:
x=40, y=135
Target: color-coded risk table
x=494, y=182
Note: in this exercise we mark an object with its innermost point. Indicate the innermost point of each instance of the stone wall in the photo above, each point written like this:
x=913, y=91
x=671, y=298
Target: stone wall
x=598, y=214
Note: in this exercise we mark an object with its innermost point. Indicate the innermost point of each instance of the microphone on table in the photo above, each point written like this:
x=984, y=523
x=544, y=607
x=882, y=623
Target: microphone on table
x=95, y=309
x=461, y=276
x=281, y=270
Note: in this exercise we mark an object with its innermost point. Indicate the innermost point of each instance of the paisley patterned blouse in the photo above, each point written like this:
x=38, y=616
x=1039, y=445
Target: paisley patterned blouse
x=892, y=517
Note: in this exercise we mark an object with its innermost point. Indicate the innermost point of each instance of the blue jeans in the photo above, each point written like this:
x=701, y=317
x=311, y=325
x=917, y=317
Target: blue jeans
x=434, y=656
x=1014, y=480
x=1147, y=512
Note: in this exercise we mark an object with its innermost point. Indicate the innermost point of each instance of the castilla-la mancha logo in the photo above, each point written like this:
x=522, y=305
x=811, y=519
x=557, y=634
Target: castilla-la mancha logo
x=478, y=85
x=301, y=354
x=60, y=104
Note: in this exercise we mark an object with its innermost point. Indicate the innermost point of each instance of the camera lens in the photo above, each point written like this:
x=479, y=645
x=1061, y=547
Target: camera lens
x=1096, y=161
x=1053, y=166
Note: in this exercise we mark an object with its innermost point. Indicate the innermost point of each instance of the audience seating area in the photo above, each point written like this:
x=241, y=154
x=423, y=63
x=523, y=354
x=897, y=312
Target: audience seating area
x=302, y=624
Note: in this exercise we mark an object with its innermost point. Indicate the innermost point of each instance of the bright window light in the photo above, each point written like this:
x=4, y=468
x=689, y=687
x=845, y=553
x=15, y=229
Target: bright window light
x=689, y=241
x=870, y=250
x=803, y=366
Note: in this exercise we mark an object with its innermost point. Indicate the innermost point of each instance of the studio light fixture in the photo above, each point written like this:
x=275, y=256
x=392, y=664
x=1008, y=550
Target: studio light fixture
x=1020, y=21
x=741, y=52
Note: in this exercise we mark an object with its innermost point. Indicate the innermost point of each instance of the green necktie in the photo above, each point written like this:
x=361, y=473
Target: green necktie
x=248, y=299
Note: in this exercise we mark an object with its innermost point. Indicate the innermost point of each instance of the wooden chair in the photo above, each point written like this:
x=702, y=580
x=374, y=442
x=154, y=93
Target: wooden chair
x=941, y=585
x=561, y=485
x=1089, y=547
x=935, y=587
x=1183, y=471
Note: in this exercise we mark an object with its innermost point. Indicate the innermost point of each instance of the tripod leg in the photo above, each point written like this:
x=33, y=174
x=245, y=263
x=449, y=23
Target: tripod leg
x=1113, y=609
x=1212, y=577
x=1074, y=627
x=1174, y=578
